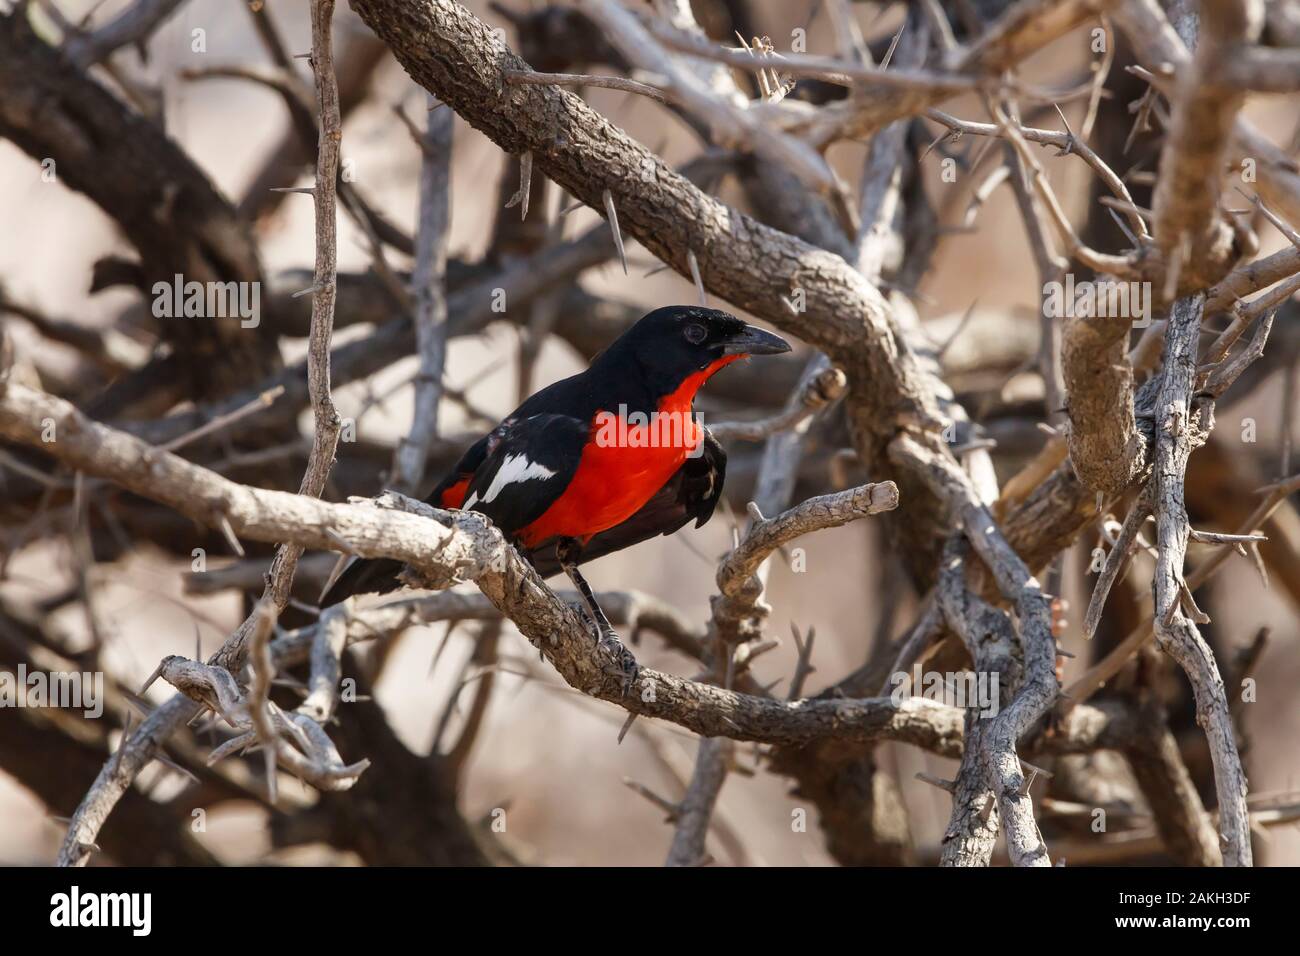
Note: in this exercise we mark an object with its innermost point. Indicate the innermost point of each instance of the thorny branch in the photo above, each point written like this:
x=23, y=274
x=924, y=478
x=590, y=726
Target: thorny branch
x=1181, y=419
x=466, y=548
x=840, y=268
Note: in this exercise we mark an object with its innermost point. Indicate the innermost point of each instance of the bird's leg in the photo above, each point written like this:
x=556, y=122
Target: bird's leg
x=620, y=663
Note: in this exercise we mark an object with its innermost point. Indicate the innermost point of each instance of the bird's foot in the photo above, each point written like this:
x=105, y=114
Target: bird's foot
x=616, y=660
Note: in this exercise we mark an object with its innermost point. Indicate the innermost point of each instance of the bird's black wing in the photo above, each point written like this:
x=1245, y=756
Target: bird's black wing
x=527, y=469
x=515, y=473
x=690, y=494
x=464, y=470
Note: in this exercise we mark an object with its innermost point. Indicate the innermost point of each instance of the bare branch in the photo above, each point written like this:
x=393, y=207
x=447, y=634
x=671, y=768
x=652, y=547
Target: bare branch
x=466, y=548
x=587, y=79
x=733, y=125
x=1177, y=634
x=693, y=813
x=1038, y=688
x=1116, y=562
x=429, y=280
x=814, y=394
x=132, y=26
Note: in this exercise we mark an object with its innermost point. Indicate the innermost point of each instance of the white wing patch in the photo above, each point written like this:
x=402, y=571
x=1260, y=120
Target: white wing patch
x=515, y=468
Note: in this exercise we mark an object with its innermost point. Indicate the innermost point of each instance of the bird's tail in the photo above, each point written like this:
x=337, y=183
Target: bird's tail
x=363, y=576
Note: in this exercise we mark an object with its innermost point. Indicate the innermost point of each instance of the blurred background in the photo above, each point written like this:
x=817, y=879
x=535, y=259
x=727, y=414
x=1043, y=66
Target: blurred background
x=543, y=753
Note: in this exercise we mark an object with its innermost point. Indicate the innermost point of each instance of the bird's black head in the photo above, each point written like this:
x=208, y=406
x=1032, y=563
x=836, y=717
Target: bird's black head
x=675, y=342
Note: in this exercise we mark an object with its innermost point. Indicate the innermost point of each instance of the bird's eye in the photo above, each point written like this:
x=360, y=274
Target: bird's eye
x=695, y=334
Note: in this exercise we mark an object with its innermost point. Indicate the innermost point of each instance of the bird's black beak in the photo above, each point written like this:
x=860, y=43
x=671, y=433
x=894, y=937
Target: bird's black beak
x=755, y=341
